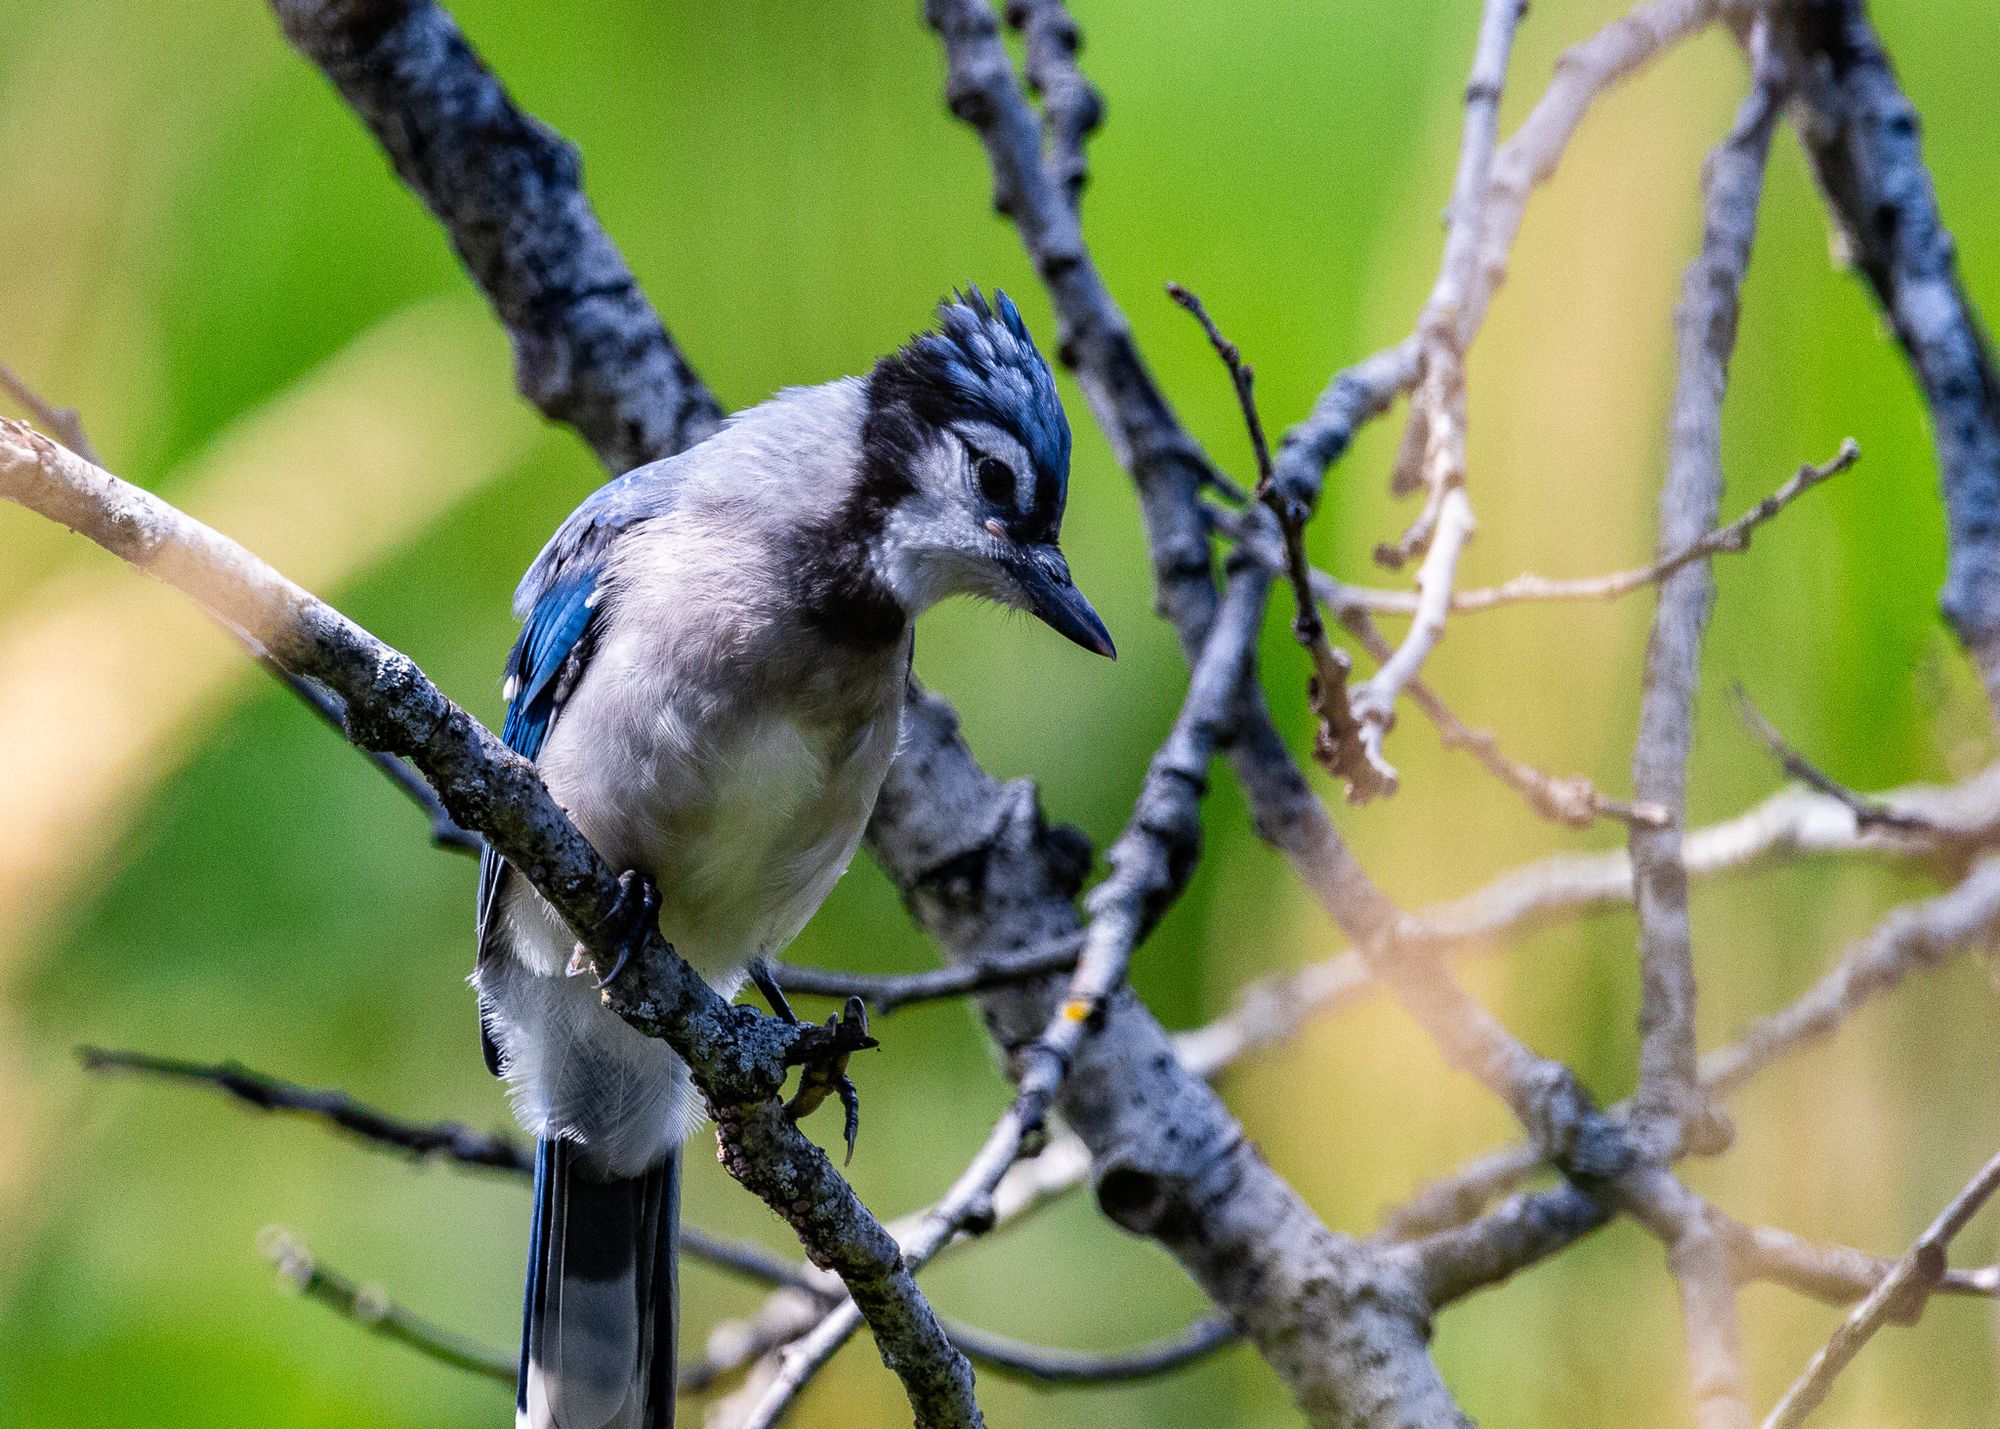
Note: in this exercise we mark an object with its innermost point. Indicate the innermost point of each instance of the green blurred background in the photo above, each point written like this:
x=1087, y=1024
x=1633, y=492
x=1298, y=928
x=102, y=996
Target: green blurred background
x=203, y=251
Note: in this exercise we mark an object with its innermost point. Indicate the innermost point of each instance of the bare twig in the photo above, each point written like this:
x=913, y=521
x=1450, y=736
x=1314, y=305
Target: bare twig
x=1339, y=745
x=1733, y=536
x=65, y=424
x=1057, y=1367
x=421, y=1141
x=1902, y=1289
x=425, y=1141
x=1867, y=813
x=332, y=709
x=1669, y=1100
x=1840, y=1274
x=1915, y=937
x=1434, y=443
x=1574, y=800
x=373, y=1310
x=890, y=992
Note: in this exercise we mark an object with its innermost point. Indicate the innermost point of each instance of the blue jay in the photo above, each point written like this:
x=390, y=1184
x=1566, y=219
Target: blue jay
x=710, y=677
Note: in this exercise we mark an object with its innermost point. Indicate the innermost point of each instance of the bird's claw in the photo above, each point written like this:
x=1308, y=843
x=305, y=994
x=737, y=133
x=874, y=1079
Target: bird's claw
x=632, y=917
x=823, y=1056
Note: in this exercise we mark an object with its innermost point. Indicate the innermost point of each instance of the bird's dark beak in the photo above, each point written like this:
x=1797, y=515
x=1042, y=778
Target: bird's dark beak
x=1043, y=576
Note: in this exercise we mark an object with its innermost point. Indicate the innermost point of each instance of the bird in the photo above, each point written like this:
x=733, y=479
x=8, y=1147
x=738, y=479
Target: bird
x=710, y=676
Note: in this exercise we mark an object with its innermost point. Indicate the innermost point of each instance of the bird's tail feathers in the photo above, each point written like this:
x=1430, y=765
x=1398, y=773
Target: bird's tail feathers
x=603, y=1305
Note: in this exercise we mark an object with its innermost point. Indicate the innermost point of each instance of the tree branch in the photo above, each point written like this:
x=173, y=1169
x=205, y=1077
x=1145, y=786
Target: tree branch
x=1340, y=746
x=419, y=1141
x=1052, y=1367
x=1669, y=1103
x=1915, y=937
x=891, y=992
x=371, y=1308
x=738, y=1058
x=1899, y=1293
x=1867, y=813
x=1434, y=442
x=1860, y=133
x=65, y=424
x=1527, y=159
x=588, y=349
x=1733, y=536
x=1071, y=108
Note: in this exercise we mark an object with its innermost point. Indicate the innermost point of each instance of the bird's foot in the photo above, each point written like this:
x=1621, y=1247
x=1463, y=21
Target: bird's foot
x=632, y=917
x=822, y=1054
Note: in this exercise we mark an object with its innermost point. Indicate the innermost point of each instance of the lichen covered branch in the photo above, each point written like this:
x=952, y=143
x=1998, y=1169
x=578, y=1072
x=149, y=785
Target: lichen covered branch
x=738, y=1058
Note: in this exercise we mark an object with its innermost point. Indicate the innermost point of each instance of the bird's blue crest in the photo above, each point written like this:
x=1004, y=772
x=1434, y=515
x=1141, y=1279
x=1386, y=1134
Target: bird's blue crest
x=980, y=362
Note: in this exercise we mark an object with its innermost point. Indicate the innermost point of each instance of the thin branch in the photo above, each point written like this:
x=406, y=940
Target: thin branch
x=420, y=1141
x=332, y=709
x=1670, y=1107
x=1839, y=1274
x=65, y=424
x=373, y=1310
x=1867, y=813
x=1573, y=800
x=1486, y=1251
x=1527, y=159
x=1434, y=442
x=1793, y=824
x=890, y=992
x=1916, y=937
x=1669, y=1099
x=1902, y=1289
x=1047, y=1366
x=738, y=1057
x=1532, y=1226
x=1733, y=536
x=428, y=1141
x=1339, y=745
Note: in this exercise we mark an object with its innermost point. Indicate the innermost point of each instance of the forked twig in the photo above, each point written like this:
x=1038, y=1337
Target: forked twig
x=1903, y=1288
x=1338, y=745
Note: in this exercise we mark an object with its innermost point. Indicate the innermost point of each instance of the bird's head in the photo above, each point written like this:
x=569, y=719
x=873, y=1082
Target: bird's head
x=966, y=441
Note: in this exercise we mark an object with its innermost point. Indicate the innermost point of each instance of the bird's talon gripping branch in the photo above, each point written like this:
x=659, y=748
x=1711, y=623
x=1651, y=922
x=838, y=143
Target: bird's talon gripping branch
x=822, y=1052
x=823, y=1059
x=632, y=918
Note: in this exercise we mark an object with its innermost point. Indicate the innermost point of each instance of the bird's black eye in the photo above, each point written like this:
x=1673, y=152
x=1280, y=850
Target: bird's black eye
x=996, y=480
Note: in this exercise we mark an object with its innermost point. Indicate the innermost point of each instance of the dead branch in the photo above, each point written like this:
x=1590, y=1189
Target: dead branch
x=1899, y=1292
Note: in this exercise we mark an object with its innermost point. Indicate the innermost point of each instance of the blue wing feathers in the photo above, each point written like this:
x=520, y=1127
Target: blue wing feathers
x=556, y=626
x=559, y=601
